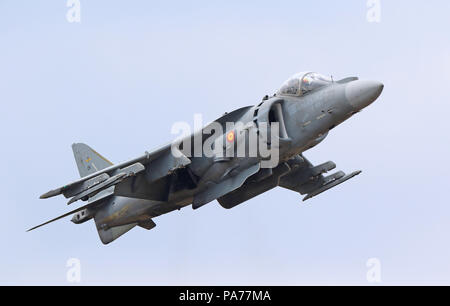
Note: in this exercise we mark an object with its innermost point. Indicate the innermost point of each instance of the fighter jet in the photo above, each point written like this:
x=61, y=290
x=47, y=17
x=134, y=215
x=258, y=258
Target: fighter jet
x=249, y=151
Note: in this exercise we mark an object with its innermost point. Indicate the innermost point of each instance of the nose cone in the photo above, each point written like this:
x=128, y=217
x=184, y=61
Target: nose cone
x=362, y=93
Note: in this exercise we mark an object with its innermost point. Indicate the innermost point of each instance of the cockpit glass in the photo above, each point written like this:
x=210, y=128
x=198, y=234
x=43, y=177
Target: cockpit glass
x=291, y=87
x=312, y=81
x=303, y=83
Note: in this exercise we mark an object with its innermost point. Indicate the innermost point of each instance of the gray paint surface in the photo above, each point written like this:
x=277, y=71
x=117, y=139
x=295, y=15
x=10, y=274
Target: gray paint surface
x=306, y=108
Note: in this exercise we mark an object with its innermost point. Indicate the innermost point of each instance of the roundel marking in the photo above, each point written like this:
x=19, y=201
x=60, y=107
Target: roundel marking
x=230, y=136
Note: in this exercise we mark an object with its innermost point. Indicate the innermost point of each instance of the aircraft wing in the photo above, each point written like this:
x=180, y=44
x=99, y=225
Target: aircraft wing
x=155, y=165
x=309, y=180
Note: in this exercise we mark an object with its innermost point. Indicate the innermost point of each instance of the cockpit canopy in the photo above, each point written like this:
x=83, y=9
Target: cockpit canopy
x=302, y=83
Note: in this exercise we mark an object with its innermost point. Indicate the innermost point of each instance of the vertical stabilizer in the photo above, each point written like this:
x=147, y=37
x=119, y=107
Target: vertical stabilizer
x=88, y=160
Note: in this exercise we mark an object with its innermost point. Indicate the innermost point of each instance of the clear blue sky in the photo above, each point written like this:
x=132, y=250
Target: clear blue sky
x=119, y=80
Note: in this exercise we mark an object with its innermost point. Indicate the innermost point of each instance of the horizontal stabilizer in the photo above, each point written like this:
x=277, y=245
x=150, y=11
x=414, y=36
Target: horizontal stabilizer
x=93, y=182
x=69, y=189
x=102, y=182
x=99, y=187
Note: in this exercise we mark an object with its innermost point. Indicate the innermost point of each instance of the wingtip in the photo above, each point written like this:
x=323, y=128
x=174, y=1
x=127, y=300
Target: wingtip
x=51, y=193
x=30, y=229
x=356, y=173
x=44, y=196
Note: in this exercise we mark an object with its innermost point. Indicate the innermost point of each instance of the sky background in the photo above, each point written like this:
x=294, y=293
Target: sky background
x=119, y=80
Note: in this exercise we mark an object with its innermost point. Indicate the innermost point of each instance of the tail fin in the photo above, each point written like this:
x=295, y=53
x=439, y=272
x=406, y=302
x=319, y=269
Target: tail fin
x=88, y=160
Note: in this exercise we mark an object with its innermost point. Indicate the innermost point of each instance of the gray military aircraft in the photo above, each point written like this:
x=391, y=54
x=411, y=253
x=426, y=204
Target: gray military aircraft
x=304, y=110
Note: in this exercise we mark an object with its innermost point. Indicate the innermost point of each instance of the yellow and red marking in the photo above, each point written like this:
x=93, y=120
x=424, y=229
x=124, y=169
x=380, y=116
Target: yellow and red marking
x=230, y=136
